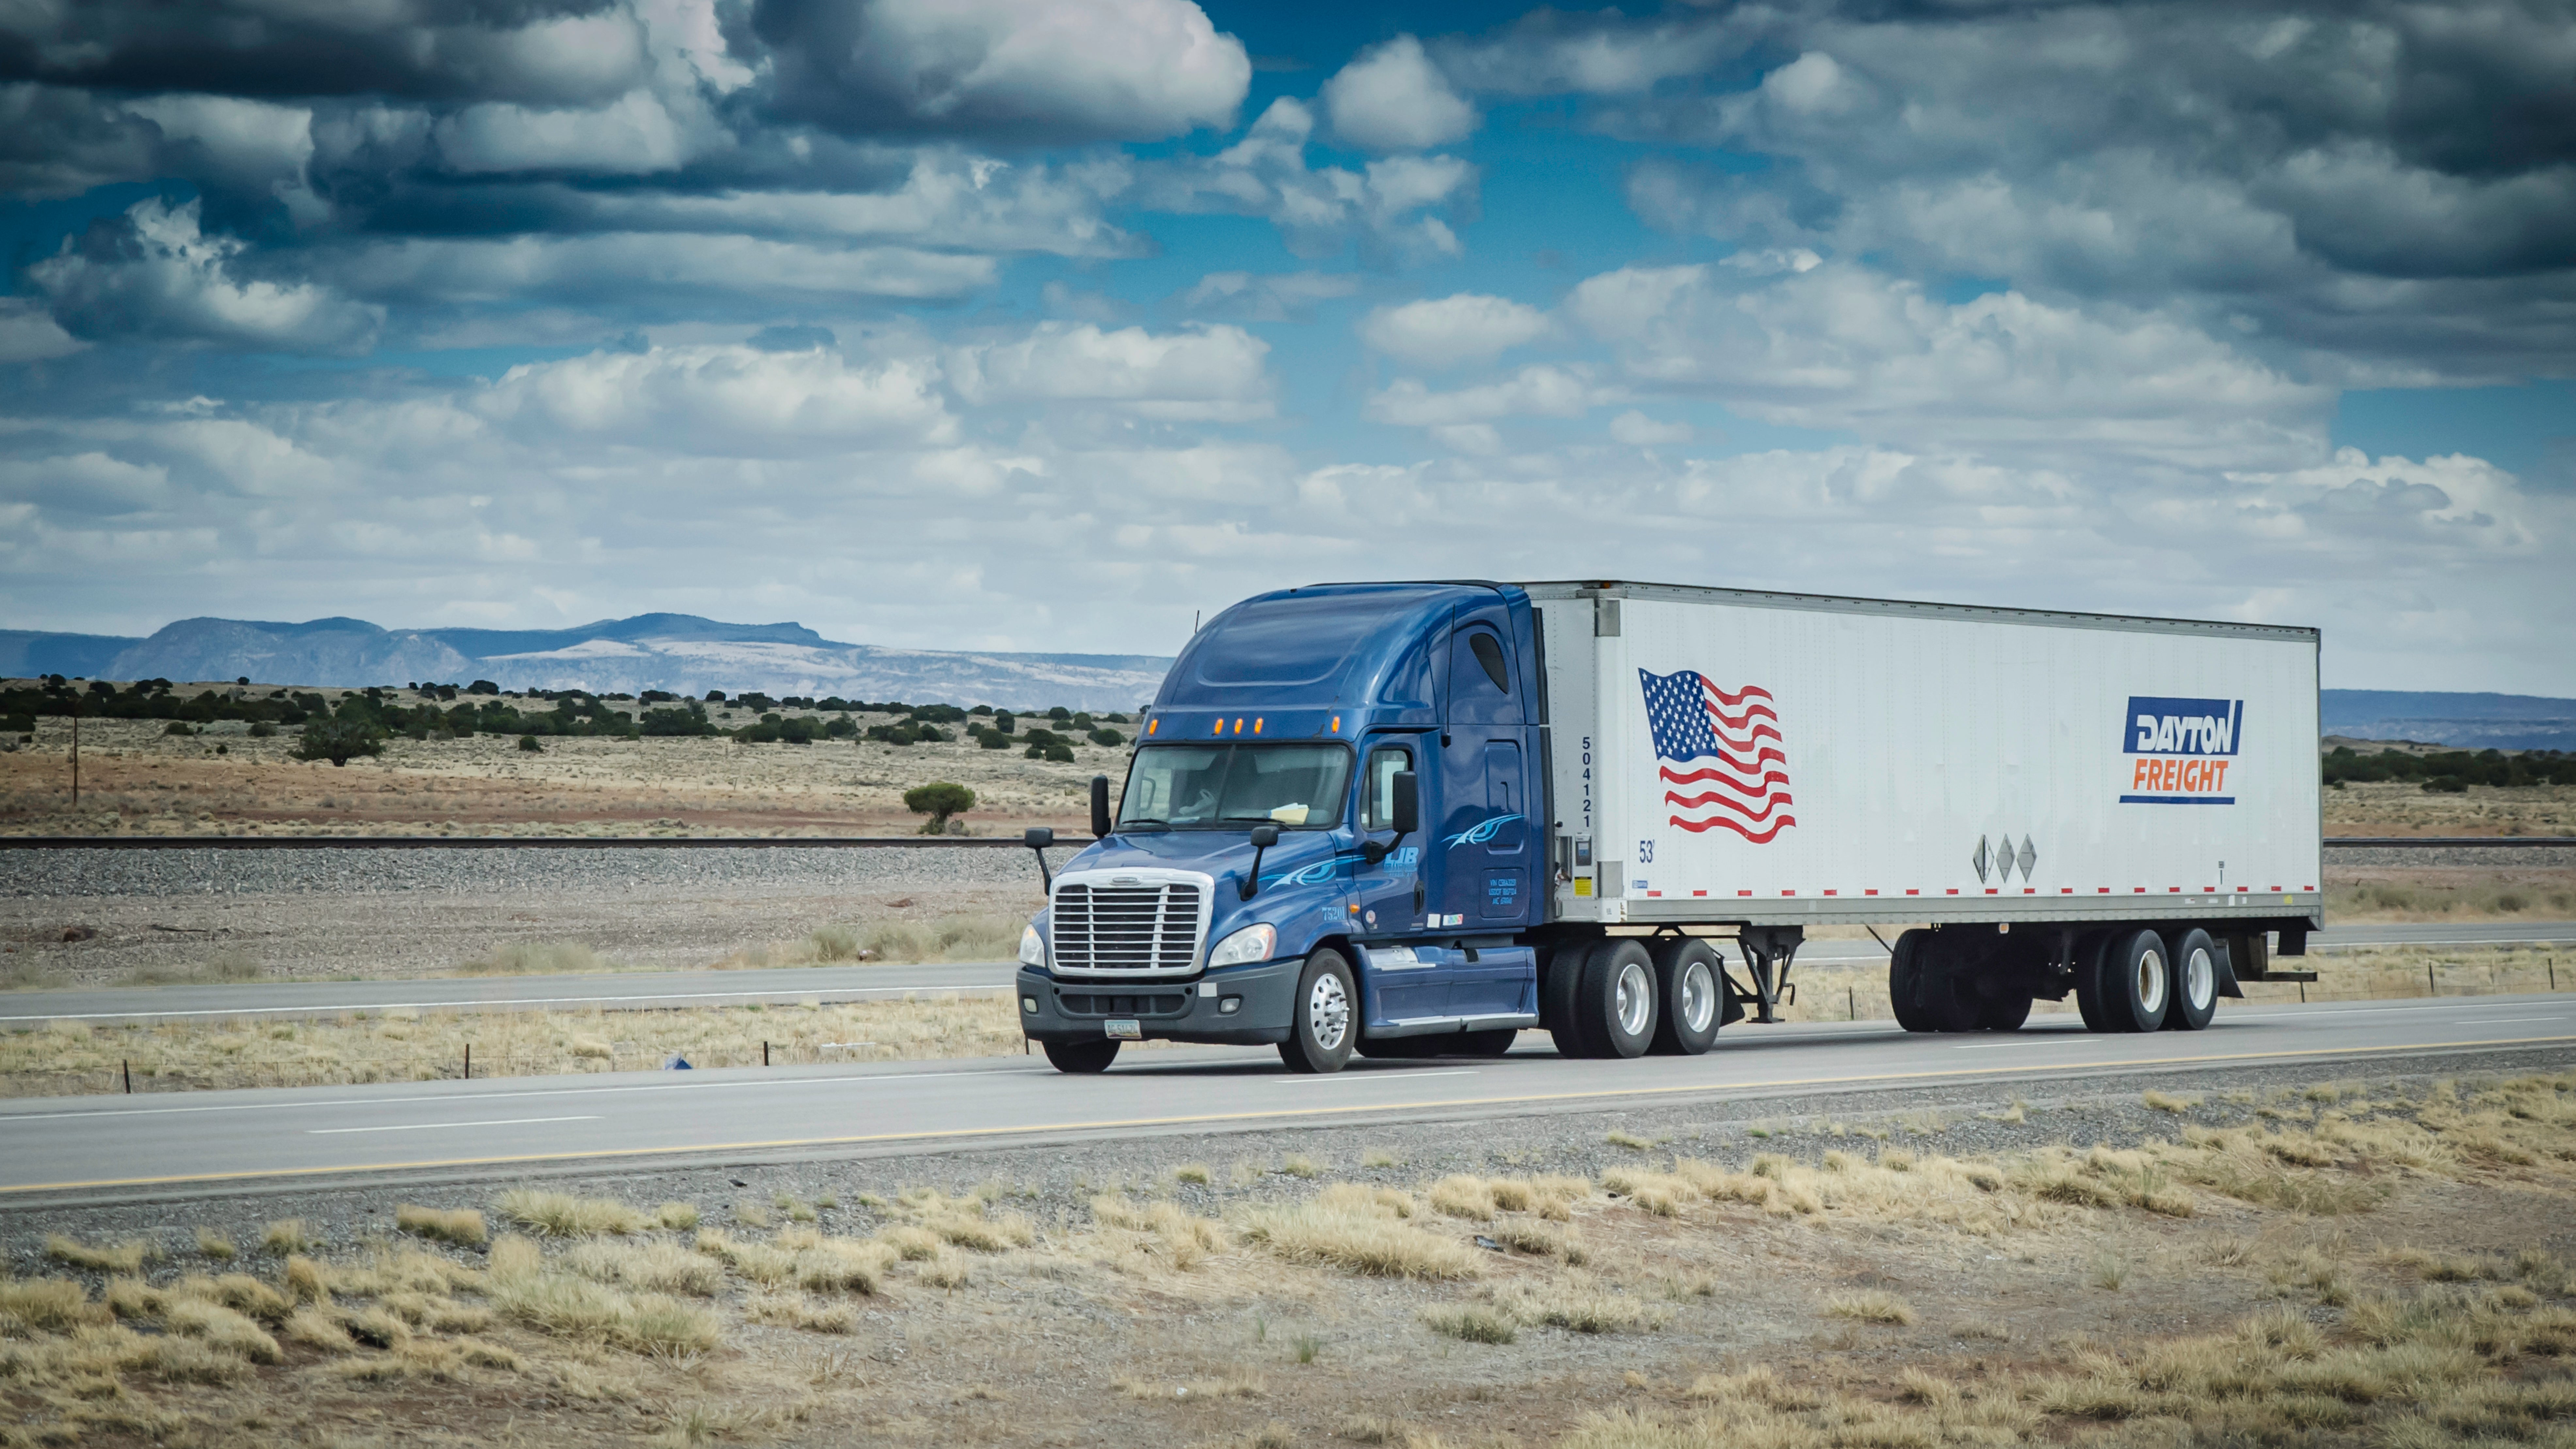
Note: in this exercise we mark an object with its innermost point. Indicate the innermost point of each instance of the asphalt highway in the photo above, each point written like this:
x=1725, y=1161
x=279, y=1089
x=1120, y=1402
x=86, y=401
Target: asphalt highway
x=639, y=990
x=142, y=1144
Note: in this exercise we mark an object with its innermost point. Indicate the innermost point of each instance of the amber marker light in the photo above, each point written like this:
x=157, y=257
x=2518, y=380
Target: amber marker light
x=1256, y=724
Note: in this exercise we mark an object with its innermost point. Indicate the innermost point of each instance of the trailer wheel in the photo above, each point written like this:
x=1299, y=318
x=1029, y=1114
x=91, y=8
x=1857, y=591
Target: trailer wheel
x=2004, y=1013
x=2137, y=982
x=2195, y=982
x=1905, y=979
x=1614, y=1007
x=1482, y=1043
x=1690, y=997
x=1327, y=1018
x=2092, y=958
x=1082, y=1057
x=1561, y=982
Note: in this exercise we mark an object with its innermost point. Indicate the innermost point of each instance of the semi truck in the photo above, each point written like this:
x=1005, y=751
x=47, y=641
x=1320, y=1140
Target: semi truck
x=1417, y=819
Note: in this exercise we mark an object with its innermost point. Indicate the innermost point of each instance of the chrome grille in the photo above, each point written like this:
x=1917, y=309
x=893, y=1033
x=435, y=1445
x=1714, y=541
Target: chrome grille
x=1104, y=928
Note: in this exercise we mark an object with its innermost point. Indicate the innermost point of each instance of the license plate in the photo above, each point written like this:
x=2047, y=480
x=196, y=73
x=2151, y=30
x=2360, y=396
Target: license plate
x=1125, y=1030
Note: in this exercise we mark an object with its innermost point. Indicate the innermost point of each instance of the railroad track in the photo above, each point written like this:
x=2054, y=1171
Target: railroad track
x=885, y=842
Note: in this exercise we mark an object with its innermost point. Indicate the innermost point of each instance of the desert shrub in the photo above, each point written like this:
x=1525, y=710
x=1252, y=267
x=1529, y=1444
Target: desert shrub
x=938, y=800
x=674, y=720
x=339, y=740
x=177, y=727
x=530, y=744
x=1106, y=736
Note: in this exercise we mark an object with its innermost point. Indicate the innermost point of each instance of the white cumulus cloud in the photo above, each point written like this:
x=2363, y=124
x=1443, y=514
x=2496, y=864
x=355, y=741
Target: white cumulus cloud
x=1447, y=331
x=1392, y=98
x=1217, y=373
x=159, y=276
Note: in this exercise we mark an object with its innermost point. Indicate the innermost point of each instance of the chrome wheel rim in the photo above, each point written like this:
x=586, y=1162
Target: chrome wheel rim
x=1328, y=1011
x=1636, y=1002
x=1699, y=996
x=2199, y=980
x=2151, y=981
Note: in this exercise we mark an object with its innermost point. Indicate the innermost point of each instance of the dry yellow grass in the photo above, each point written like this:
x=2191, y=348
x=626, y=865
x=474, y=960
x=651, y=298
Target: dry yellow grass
x=1354, y=1228
x=452, y=1225
x=2394, y=1342
x=563, y=1215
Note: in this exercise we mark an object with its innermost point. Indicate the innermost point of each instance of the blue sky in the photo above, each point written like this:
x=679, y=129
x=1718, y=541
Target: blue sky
x=978, y=324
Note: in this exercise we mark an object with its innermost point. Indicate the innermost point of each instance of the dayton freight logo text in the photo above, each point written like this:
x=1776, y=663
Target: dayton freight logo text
x=2180, y=750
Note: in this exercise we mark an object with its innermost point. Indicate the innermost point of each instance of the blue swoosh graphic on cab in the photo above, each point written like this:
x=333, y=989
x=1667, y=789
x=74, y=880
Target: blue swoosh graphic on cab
x=1479, y=833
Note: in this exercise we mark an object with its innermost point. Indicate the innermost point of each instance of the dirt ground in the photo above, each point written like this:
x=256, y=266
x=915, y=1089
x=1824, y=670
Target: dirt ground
x=2319, y=1264
x=137, y=780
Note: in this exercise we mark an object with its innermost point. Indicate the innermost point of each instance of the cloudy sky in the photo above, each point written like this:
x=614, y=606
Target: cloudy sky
x=1041, y=326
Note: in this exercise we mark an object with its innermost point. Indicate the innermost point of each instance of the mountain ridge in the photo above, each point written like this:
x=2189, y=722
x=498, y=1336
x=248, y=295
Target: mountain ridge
x=690, y=654
x=682, y=653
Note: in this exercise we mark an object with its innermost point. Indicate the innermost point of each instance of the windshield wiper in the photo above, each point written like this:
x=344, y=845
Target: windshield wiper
x=1144, y=823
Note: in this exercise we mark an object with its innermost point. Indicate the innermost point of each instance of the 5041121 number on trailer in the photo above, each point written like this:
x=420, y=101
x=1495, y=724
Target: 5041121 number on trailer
x=1417, y=819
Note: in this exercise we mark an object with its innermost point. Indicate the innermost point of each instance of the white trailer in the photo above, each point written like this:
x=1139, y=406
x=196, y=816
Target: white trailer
x=2120, y=807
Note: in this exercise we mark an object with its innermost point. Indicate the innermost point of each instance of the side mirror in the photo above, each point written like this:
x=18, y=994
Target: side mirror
x=1407, y=803
x=1100, y=807
x=1263, y=837
x=1037, y=838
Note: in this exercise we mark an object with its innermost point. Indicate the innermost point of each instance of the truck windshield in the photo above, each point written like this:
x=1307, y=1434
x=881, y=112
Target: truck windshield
x=1235, y=787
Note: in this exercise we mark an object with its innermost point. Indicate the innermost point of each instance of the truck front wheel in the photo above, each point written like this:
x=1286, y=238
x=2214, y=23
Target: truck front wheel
x=1327, y=1016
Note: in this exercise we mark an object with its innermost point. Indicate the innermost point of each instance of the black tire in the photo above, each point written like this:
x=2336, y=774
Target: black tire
x=1614, y=1007
x=1483, y=1043
x=1557, y=990
x=1325, y=1022
x=1690, y=996
x=1402, y=1048
x=2089, y=954
x=1945, y=993
x=1905, y=980
x=2193, y=993
x=2136, y=982
x=1082, y=1057
x=2004, y=1013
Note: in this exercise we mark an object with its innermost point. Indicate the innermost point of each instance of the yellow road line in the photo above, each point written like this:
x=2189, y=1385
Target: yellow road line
x=1538, y=1097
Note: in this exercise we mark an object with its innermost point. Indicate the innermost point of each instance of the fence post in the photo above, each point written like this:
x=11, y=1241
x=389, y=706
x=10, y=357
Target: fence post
x=764, y=1053
x=469, y=1061
x=1851, y=1000
x=129, y=1076
x=2428, y=979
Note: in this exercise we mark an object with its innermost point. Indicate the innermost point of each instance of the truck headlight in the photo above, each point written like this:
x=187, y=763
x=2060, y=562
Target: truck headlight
x=1032, y=946
x=1252, y=943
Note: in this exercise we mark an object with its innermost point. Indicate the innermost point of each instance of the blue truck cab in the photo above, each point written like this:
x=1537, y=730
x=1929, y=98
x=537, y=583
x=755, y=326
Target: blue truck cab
x=1331, y=839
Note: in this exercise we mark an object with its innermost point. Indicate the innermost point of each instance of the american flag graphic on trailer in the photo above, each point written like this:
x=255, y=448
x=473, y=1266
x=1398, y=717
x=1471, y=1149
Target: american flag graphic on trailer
x=1722, y=758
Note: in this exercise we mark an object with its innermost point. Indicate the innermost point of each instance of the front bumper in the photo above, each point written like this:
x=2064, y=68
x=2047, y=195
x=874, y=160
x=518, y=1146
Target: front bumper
x=1265, y=997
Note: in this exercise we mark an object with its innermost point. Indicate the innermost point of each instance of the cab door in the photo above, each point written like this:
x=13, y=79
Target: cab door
x=1391, y=894
x=1483, y=855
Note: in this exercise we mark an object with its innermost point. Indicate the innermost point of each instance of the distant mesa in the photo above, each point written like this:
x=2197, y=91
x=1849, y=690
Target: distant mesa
x=678, y=652
x=2463, y=721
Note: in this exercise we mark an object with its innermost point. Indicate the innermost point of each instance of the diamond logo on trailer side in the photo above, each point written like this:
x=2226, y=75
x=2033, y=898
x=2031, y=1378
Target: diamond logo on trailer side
x=1979, y=860
x=2028, y=858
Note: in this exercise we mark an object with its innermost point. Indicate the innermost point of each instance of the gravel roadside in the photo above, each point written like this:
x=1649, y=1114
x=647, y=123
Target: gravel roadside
x=394, y=913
